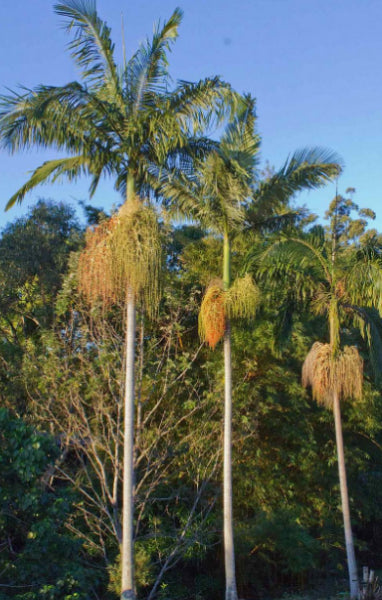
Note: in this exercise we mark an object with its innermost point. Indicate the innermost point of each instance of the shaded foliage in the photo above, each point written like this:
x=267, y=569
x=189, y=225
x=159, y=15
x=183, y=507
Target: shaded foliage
x=285, y=472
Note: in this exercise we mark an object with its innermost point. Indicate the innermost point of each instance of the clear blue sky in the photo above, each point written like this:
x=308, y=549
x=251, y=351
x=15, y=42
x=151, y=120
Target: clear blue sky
x=314, y=67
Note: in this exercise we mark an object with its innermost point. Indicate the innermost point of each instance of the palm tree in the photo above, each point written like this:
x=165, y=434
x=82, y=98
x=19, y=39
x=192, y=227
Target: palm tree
x=343, y=283
x=124, y=123
x=227, y=198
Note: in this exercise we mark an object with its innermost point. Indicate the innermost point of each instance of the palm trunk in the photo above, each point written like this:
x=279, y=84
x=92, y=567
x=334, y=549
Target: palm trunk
x=128, y=591
x=229, y=551
x=352, y=566
x=127, y=559
x=350, y=555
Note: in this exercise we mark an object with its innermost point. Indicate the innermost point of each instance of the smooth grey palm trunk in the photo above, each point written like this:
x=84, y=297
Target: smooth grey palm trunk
x=229, y=552
x=229, y=548
x=352, y=566
x=128, y=588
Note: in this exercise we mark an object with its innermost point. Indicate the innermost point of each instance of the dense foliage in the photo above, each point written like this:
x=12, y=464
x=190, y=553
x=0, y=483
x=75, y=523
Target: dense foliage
x=61, y=378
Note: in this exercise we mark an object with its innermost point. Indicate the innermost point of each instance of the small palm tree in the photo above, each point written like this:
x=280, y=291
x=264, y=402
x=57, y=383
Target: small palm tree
x=226, y=197
x=125, y=123
x=343, y=283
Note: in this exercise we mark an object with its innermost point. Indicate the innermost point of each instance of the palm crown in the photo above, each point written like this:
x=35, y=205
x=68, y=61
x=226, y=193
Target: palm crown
x=225, y=191
x=122, y=122
x=341, y=282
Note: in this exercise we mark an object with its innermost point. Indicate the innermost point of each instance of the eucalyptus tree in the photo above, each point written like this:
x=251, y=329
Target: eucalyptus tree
x=227, y=197
x=343, y=282
x=125, y=123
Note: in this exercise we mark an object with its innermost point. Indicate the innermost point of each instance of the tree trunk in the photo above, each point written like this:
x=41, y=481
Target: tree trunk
x=352, y=566
x=229, y=551
x=128, y=591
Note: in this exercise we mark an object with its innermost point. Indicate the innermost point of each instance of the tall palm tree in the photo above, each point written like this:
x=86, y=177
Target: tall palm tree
x=226, y=196
x=343, y=283
x=126, y=123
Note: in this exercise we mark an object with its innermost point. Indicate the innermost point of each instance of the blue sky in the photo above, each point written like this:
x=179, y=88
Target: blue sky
x=314, y=67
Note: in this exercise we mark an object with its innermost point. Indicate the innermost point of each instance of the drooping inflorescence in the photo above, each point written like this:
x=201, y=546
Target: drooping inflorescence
x=121, y=254
x=212, y=315
x=327, y=374
x=239, y=301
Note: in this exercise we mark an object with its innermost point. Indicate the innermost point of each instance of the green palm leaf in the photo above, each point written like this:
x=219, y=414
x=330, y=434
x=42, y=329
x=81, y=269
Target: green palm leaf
x=239, y=145
x=91, y=47
x=369, y=323
x=308, y=168
x=51, y=171
x=364, y=279
x=203, y=104
x=146, y=73
x=67, y=117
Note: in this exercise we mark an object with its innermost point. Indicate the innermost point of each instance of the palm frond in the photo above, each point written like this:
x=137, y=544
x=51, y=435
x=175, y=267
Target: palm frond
x=369, y=324
x=185, y=158
x=283, y=323
x=202, y=105
x=180, y=192
x=50, y=171
x=174, y=179
x=68, y=117
x=146, y=73
x=364, y=279
x=260, y=218
x=91, y=47
x=239, y=144
x=309, y=168
x=292, y=257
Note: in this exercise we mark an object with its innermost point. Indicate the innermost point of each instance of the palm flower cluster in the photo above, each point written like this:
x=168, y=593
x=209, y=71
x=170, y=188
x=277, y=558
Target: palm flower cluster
x=239, y=301
x=328, y=374
x=121, y=254
x=212, y=314
x=94, y=262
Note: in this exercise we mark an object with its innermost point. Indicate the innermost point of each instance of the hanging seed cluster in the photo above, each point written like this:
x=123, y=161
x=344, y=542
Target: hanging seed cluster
x=327, y=374
x=123, y=254
x=240, y=301
x=95, y=265
x=212, y=315
x=242, y=298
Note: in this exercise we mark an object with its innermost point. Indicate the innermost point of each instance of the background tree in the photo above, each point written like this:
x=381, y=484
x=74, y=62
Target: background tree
x=284, y=455
x=34, y=254
x=39, y=557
